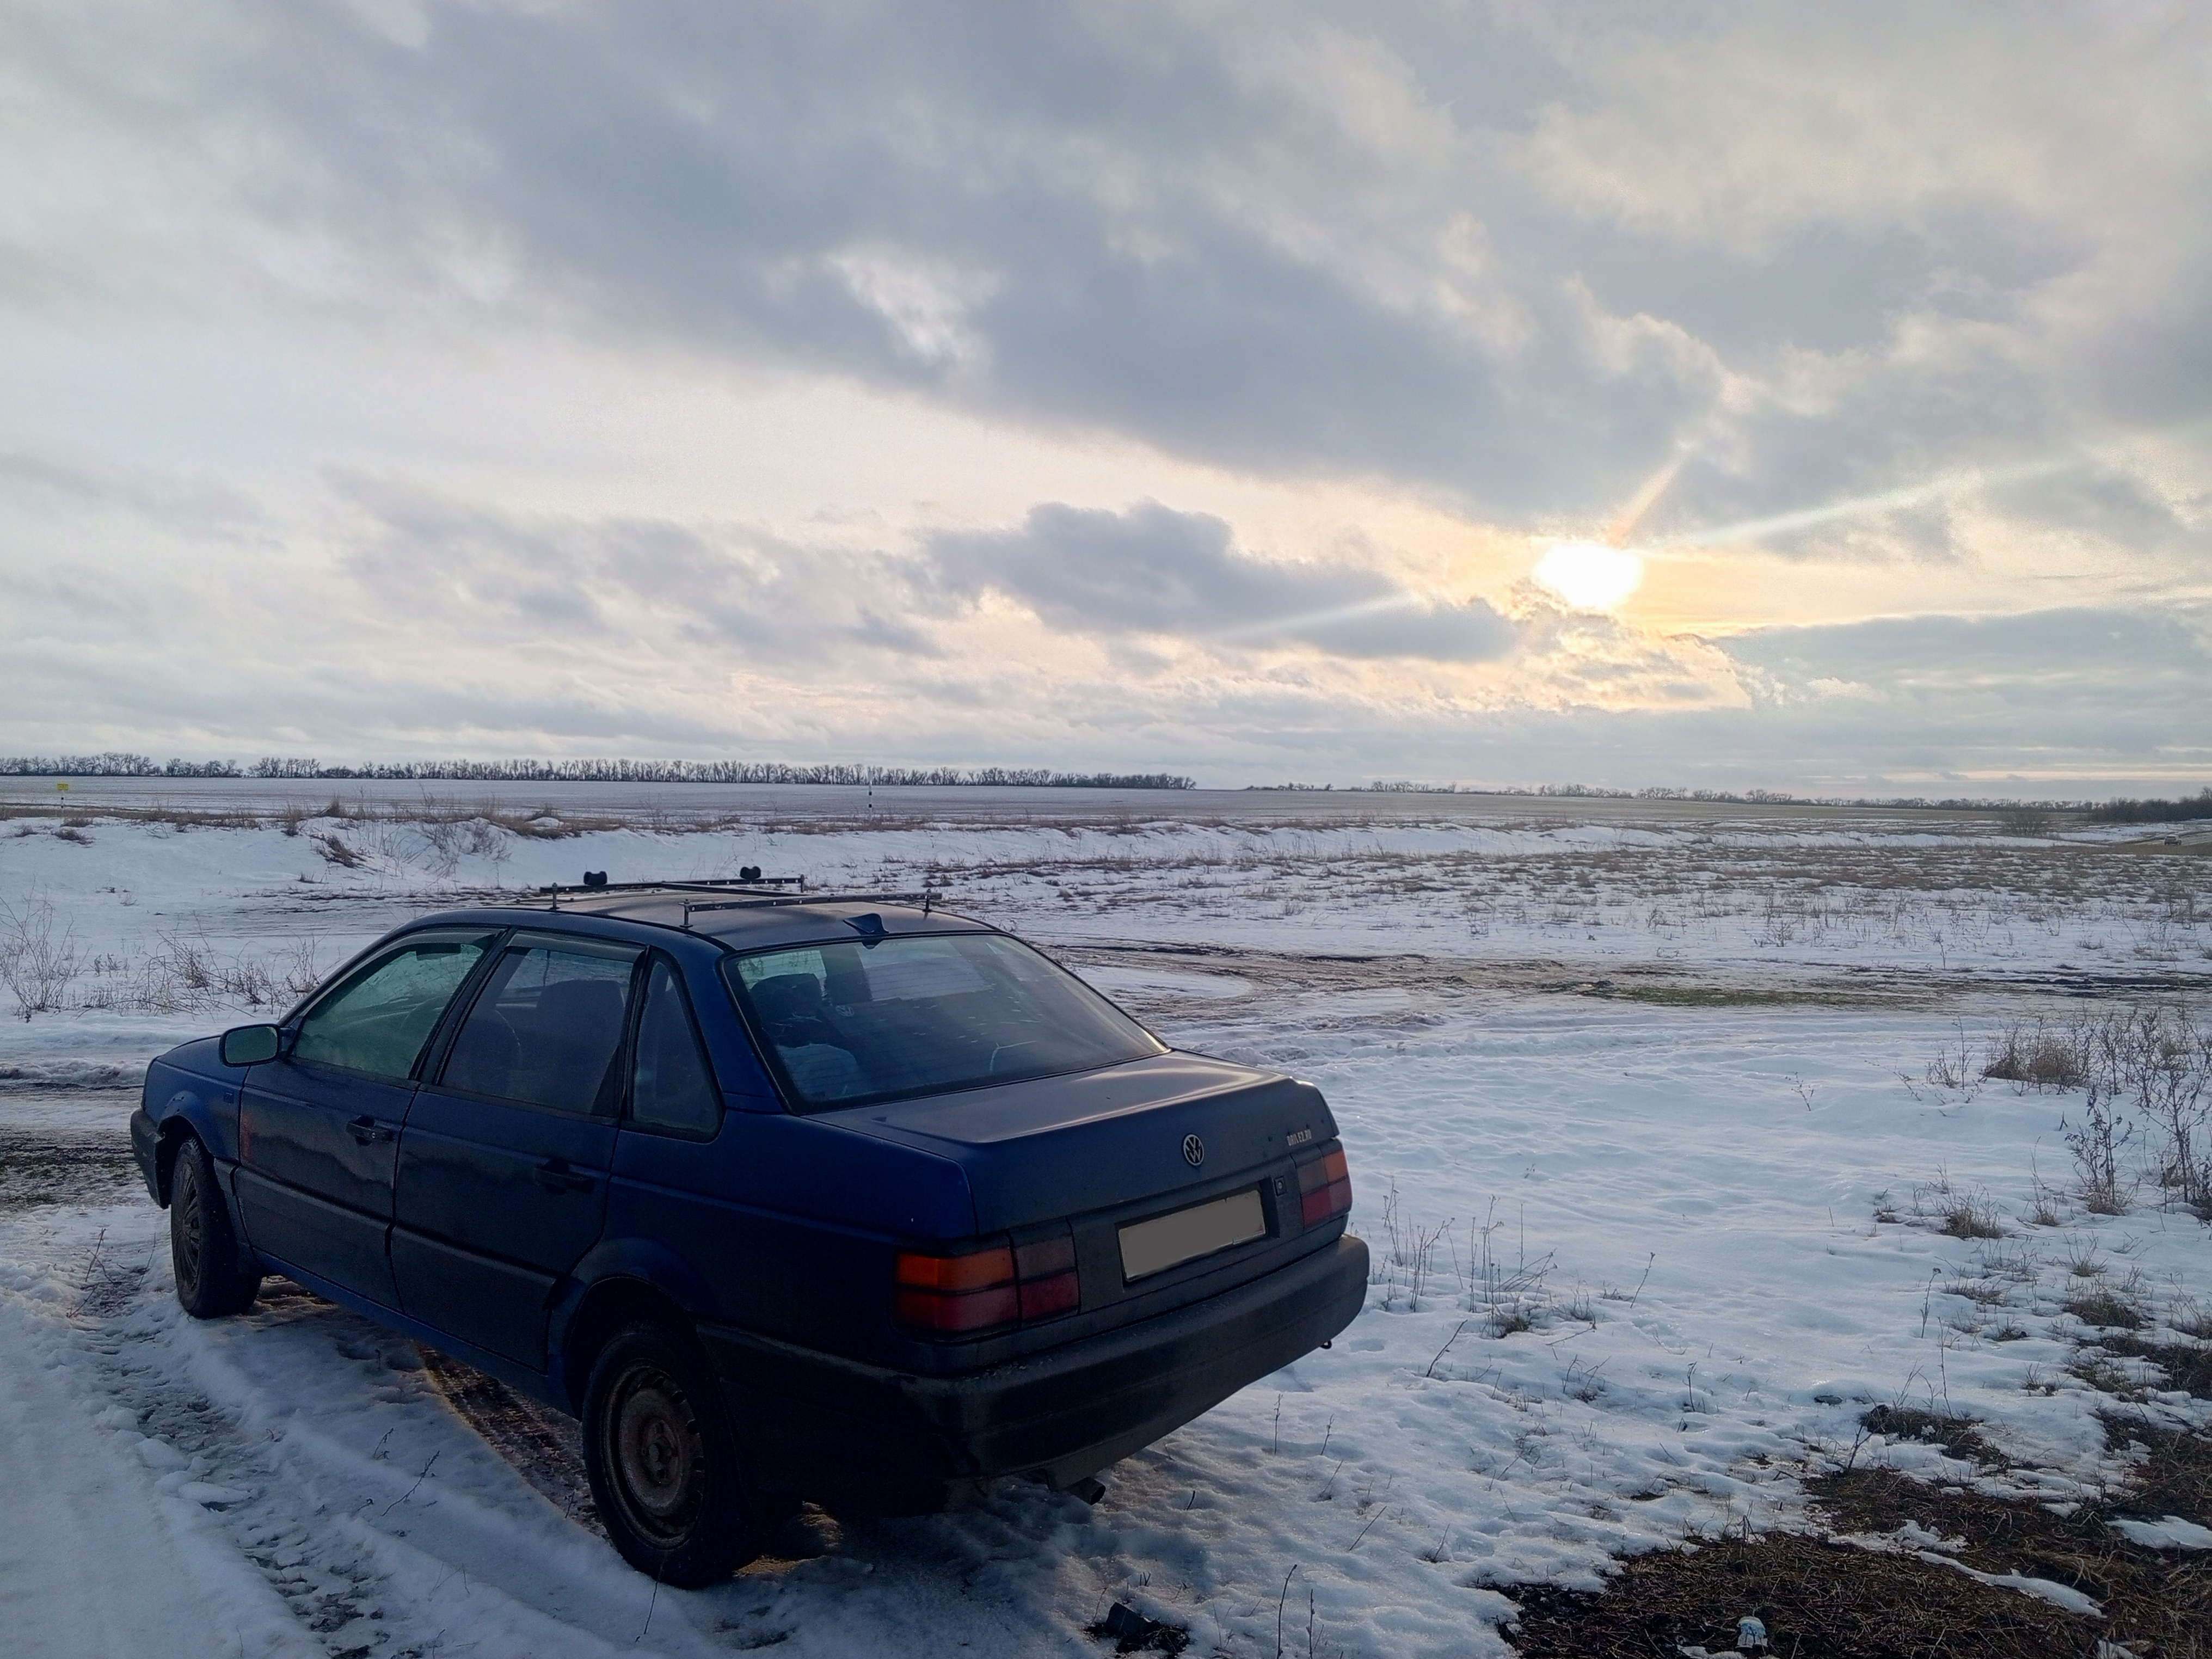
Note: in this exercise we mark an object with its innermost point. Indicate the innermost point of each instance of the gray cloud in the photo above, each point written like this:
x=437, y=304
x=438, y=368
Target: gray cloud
x=2095, y=664
x=194, y=506
x=1519, y=257
x=571, y=580
x=1153, y=570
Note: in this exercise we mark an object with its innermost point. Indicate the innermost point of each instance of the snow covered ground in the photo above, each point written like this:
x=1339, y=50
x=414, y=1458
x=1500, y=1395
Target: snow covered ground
x=1623, y=1099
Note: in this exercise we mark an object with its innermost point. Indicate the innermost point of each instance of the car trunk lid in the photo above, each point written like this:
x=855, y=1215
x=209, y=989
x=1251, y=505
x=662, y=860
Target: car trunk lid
x=1051, y=1148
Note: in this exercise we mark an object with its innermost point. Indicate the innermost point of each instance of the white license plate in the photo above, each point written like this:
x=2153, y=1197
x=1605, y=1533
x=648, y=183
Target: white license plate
x=1168, y=1240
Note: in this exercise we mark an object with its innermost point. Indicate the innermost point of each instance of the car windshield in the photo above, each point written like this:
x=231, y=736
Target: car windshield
x=878, y=1019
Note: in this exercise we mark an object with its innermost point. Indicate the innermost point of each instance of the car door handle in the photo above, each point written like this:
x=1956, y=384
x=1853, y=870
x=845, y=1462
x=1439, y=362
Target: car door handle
x=558, y=1177
x=366, y=1131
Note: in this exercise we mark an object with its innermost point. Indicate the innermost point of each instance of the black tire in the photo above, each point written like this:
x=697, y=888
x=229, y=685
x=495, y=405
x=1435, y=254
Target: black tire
x=212, y=1279
x=663, y=1460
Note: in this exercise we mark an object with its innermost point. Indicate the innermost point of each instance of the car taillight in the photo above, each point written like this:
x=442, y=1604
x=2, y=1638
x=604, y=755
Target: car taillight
x=1324, y=1187
x=981, y=1289
x=1046, y=1270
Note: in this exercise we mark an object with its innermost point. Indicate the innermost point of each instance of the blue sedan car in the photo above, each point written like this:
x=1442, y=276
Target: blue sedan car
x=843, y=1200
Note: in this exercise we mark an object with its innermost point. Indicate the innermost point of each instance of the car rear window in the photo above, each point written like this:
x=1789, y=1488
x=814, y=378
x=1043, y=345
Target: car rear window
x=848, y=1023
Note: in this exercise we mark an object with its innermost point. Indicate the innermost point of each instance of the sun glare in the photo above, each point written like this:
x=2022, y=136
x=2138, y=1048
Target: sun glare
x=1588, y=575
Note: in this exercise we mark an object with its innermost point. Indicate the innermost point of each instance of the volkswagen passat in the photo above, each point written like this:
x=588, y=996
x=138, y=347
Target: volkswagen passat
x=840, y=1199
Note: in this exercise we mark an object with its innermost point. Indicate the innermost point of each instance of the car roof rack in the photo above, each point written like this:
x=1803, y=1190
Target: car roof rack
x=927, y=898
x=699, y=885
x=740, y=893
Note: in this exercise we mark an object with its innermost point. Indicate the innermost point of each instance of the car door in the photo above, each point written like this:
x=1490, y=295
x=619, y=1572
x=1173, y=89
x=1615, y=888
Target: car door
x=502, y=1168
x=319, y=1125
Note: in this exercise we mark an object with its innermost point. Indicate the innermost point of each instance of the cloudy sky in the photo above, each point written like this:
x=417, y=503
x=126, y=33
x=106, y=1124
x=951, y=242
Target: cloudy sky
x=1811, y=397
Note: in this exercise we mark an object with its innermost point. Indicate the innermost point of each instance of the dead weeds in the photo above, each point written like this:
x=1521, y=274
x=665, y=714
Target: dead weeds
x=1888, y=1583
x=1815, y=1598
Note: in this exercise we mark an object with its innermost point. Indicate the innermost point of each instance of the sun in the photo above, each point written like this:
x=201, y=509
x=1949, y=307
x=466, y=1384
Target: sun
x=1589, y=575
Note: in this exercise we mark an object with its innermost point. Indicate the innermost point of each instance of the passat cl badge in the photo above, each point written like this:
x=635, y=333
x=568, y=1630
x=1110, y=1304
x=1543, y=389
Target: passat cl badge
x=1193, y=1151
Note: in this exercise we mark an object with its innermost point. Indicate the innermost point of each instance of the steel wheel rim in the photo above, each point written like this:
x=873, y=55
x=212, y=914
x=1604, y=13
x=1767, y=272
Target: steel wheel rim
x=656, y=1454
x=190, y=1231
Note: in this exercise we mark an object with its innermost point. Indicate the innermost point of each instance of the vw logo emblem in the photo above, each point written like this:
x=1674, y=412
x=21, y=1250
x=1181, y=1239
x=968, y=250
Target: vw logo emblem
x=1193, y=1151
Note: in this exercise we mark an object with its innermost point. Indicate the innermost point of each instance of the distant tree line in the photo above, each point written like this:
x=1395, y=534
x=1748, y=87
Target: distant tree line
x=116, y=765
x=2198, y=805
x=111, y=765
x=2112, y=811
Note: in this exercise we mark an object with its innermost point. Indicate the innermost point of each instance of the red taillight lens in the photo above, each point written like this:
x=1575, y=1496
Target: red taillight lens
x=1324, y=1187
x=974, y=1310
x=957, y=1293
x=1046, y=1268
x=977, y=1290
x=957, y=1274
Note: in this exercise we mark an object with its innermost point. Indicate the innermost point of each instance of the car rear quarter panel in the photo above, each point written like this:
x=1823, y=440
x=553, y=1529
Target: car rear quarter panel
x=784, y=1226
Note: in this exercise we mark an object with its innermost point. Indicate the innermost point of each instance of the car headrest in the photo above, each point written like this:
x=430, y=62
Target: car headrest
x=584, y=1010
x=786, y=996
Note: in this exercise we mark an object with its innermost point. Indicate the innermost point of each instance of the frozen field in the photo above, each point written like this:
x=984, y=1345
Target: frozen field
x=1657, y=1115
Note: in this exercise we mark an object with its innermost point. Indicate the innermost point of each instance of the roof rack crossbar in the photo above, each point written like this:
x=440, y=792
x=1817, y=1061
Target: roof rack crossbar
x=701, y=884
x=928, y=897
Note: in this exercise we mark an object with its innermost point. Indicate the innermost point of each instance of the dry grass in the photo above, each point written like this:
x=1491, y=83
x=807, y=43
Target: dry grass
x=1819, y=1596
x=1815, y=1598
x=1956, y=1435
x=2107, y=1309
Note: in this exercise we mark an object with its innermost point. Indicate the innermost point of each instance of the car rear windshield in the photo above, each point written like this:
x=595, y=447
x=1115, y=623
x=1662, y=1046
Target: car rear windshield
x=891, y=1017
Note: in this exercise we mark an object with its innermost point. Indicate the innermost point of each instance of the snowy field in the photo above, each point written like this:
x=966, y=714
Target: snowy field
x=1657, y=1119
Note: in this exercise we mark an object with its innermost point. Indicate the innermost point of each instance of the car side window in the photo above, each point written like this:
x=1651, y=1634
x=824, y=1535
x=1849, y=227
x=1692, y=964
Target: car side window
x=379, y=1020
x=671, y=1085
x=547, y=1029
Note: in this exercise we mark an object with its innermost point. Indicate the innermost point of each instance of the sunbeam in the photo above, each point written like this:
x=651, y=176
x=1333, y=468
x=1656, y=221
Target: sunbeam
x=1308, y=620
x=1860, y=506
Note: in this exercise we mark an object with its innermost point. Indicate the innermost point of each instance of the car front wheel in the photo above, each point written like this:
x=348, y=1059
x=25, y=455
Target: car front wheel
x=211, y=1281
x=663, y=1461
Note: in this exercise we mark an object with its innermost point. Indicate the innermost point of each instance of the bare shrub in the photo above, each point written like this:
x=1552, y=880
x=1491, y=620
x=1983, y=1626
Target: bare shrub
x=1510, y=1299
x=2171, y=1072
x=302, y=970
x=444, y=839
x=1953, y=1067
x=2039, y=1056
x=335, y=851
x=2097, y=1142
x=36, y=965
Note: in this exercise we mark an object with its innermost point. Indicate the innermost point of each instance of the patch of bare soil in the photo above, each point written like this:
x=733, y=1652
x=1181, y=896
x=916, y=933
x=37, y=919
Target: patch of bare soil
x=541, y=1442
x=1915, y=1595
x=37, y=1169
x=1282, y=972
x=1818, y=1598
x=2185, y=1366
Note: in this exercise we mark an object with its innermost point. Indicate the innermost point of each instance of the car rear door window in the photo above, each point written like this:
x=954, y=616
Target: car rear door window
x=547, y=1029
x=378, y=1021
x=671, y=1085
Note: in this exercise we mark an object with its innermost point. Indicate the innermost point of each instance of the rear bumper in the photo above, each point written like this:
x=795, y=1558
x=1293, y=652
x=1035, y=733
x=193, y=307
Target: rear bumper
x=840, y=1431
x=145, y=1146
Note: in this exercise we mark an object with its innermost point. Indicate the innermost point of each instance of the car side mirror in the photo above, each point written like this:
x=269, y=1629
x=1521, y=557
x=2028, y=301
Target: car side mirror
x=251, y=1045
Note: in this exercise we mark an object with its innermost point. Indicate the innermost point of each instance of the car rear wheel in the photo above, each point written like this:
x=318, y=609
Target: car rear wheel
x=211, y=1279
x=663, y=1461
